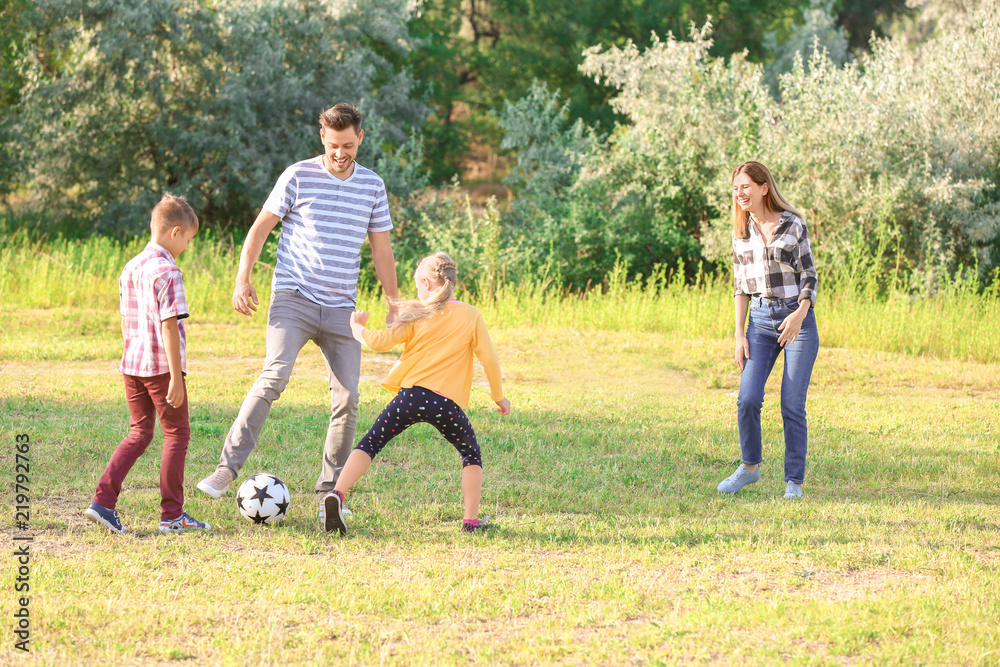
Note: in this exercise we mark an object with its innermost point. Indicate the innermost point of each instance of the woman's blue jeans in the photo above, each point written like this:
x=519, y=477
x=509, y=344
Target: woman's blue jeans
x=762, y=334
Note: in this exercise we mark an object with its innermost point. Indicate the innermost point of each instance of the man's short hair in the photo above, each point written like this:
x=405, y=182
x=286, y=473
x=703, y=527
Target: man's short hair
x=340, y=117
x=173, y=211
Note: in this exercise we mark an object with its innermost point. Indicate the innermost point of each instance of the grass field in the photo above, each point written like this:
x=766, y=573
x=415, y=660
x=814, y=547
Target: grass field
x=613, y=548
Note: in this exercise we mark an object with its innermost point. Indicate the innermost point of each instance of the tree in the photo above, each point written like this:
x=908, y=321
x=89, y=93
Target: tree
x=205, y=100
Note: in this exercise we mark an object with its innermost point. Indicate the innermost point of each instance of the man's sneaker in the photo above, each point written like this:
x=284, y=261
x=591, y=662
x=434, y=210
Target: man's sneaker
x=103, y=516
x=217, y=483
x=182, y=523
x=739, y=479
x=481, y=527
x=333, y=514
x=793, y=490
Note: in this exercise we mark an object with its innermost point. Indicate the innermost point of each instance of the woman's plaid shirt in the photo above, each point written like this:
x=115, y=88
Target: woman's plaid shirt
x=783, y=269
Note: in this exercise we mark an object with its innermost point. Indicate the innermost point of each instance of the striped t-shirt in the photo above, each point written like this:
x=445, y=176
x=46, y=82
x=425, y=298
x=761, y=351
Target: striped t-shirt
x=324, y=221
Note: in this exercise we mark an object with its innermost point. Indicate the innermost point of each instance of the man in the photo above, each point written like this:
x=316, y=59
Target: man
x=327, y=205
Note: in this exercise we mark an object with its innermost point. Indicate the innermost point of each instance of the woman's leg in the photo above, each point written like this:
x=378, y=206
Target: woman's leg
x=800, y=357
x=762, y=335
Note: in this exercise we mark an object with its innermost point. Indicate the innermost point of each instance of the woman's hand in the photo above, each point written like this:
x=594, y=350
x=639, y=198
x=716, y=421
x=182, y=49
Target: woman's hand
x=790, y=327
x=742, y=352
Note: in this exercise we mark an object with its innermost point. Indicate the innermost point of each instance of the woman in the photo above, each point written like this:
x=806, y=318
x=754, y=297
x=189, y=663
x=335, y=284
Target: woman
x=775, y=279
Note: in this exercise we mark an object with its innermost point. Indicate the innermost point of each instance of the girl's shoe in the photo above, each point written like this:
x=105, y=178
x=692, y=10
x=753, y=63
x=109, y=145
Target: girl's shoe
x=739, y=479
x=183, y=523
x=793, y=490
x=481, y=527
x=333, y=513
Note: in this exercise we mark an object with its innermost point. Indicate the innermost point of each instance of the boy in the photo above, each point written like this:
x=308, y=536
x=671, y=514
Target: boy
x=152, y=303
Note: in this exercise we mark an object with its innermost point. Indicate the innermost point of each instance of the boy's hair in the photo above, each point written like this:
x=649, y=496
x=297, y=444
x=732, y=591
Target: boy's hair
x=443, y=271
x=340, y=117
x=173, y=211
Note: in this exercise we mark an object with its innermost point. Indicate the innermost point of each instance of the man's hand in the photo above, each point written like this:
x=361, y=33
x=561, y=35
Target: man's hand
x=503, y=406
x=245, y=299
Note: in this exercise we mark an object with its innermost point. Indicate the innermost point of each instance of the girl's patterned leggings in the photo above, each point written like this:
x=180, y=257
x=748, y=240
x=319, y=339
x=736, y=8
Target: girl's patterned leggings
x=423, y=405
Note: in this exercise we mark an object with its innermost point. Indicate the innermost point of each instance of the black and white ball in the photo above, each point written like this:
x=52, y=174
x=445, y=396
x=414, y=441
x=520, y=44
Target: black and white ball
x=263, y=498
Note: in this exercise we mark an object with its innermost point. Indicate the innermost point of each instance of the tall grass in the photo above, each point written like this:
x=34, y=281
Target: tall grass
x=863, y=303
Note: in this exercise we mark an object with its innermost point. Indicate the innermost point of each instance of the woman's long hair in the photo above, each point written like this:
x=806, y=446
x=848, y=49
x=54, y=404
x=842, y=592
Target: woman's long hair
x=441, y=269
x=774, y=201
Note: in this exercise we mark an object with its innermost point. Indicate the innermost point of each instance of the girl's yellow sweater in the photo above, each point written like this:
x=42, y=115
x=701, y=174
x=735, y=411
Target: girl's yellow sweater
x=437, y=353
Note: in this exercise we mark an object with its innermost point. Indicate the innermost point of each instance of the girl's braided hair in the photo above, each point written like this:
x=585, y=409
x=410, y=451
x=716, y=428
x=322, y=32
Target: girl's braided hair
x=442, y=270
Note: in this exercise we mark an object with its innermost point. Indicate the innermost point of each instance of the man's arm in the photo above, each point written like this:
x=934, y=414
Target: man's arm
x=244, y=295
x=385, y=269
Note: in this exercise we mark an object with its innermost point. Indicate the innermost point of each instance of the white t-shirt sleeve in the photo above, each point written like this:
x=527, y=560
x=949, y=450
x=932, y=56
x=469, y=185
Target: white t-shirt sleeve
x=283, y=195
x=380, y=220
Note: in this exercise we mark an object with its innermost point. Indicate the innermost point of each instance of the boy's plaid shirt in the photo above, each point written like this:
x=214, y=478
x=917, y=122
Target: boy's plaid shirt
x=151, y=289
x=784, y=269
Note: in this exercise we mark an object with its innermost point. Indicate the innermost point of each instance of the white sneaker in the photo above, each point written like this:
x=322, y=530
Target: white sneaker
x=742, y=477
x=217, y=483
x=792, y=491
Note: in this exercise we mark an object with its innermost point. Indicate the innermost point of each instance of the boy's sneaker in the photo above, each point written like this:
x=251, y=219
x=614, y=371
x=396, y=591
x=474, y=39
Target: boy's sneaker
x=792, y=491
x=103, y=516
x=182, y=523
x=481, y=527
x=333, y=513
x=739, y=479
x=217, y=483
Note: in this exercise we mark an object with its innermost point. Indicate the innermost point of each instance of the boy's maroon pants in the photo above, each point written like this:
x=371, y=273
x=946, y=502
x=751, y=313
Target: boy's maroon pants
x=147, y=397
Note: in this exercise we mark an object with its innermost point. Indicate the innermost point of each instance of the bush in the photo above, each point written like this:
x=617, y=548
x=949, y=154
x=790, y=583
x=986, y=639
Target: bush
x=125, y=100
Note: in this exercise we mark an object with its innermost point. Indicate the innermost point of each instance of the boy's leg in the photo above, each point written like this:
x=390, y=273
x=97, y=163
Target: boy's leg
x=292, y=320
x=176, y=429
x=342, y=354
x=142, y=415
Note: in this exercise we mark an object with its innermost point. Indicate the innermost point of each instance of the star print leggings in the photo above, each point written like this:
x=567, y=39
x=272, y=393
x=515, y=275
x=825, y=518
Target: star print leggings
x=423, y=405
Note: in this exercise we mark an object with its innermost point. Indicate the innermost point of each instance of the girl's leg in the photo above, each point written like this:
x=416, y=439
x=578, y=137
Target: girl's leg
x=450, y=420
x=472, y=489
x=355, y=468
x=399, y=415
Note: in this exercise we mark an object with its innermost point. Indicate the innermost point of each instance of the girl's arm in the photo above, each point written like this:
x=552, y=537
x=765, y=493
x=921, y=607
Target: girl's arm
x=380, y=341
x=483, y=348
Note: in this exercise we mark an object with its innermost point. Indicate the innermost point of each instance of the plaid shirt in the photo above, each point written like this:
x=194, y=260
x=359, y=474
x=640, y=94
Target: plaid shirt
x=150, y=290
x=783, y=269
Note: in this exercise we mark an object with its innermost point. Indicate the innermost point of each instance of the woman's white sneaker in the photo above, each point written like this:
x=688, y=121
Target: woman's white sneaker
x=739, y=479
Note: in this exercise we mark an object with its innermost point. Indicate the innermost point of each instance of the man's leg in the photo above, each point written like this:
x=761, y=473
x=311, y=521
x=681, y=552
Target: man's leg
x=292, y=321
x=343, y=364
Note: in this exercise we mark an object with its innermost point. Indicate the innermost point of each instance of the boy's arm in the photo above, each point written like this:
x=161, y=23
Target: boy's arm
x=172, y=342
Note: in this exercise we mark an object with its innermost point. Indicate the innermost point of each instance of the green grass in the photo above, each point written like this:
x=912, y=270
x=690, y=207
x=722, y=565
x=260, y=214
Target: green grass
x=613, y=545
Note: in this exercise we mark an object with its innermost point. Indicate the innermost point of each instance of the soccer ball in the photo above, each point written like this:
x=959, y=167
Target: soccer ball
x=263, y=498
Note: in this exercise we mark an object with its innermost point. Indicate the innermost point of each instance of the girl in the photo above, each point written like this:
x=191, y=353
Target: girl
x=775, y=278
x=432, y=378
